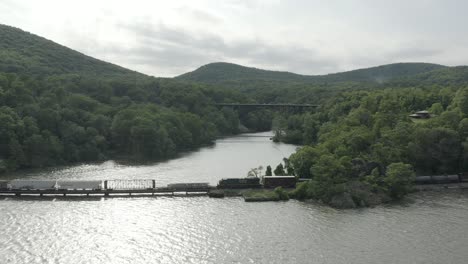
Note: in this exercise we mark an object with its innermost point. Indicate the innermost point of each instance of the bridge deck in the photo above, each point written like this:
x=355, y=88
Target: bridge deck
x=267, y=105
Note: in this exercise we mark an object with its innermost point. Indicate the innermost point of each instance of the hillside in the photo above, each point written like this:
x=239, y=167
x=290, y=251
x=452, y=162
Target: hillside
x=26, y=53
x=59, y=106
x=231, y=74
x=382, y=73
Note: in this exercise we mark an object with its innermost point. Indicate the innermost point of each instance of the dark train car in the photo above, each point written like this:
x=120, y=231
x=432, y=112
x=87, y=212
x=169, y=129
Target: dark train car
x=188, y=186
x=438, y=179
x=463, y=176
x=279, y=181
x=239, y=183
x=3, y=185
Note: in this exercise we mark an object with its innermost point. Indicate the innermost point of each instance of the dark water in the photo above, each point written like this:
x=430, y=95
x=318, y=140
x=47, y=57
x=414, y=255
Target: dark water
x=431, y=229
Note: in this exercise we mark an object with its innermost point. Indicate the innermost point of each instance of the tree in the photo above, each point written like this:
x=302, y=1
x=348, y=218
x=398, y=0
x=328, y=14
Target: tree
x=461, y=99
x=303, y=160
x=268, y=171
x=435, y=150
x=17, y=158
x=436, y=109
x=255, y=172
x=399, y=179
x=279, y=170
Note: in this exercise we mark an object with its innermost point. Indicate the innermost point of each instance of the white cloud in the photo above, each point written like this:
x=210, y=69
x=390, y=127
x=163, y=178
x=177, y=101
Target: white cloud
x=165, y=38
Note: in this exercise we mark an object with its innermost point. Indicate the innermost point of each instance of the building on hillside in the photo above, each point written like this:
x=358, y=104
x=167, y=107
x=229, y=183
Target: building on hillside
x=421, y=115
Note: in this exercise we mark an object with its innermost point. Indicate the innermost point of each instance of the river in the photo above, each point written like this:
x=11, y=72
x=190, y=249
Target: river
x=432, y=228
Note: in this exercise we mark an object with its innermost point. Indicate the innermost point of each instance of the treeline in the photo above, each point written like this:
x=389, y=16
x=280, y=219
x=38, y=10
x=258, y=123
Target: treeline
x=46, y=121
x=366, y=137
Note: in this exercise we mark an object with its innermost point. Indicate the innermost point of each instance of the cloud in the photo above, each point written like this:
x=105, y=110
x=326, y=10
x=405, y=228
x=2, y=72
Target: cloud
x=414, y=52
x=178, y=50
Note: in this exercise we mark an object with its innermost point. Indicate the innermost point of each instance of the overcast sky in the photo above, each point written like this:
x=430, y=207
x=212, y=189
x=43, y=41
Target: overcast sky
x=168, y=38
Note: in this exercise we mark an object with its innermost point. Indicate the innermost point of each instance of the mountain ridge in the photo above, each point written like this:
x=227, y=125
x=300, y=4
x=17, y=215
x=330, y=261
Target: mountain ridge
x=225, y=72
x=27, y=53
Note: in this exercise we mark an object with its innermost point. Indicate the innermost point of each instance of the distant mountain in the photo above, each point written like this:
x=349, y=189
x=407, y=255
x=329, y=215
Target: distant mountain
x=222, y=71
x=25, y=53
x=228, y=73
x=448, y=76
x=383, y=73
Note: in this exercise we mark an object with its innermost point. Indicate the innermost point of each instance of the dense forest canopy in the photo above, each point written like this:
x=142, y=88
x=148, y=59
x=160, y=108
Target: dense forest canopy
x=59, y=106
x=359, y=138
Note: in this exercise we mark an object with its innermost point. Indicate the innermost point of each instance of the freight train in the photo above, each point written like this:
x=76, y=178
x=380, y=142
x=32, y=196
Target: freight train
x=254, y=182
x=239, y=183
x=99, y=185
x=290, y=181
x=442, y=179
x=229, y=183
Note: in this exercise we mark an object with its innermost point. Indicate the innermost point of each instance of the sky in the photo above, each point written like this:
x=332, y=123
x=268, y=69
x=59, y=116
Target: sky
x=168, y=38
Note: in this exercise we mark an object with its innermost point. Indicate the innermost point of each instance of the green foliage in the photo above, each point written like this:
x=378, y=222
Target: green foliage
x=268, y=171
x=259, y=120
x=282, y=194
x=435, y=151
x=367, y=137
x=260, y=195
x=303, y=160
x=301, y=191
x=279, y=170
x=399, y=179
x=60, y=106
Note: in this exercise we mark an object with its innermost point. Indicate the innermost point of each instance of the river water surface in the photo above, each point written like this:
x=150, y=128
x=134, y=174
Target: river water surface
x=433, y=228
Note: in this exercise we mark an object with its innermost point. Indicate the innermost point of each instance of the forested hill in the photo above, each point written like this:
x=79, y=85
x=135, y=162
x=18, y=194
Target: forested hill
x=233, y=75
x=25, y=53
x=220, y=72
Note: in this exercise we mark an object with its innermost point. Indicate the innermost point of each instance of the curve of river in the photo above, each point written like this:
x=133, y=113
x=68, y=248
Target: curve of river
x=433, y=228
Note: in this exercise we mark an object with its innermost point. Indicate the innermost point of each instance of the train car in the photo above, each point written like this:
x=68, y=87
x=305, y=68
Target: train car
x=134, y=184
x=3, y=185
x=239, y=183
x=79, y=185
x=438, y=179
x=463, y=176
x=33, y=185
x=423, y=180
x=279, y=181
x=188, y=186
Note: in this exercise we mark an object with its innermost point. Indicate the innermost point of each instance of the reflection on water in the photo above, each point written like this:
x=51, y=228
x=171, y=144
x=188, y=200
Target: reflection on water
x=229, y=157
x=431, y=229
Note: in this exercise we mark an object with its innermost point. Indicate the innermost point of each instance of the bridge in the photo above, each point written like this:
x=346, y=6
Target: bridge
x=295, y=107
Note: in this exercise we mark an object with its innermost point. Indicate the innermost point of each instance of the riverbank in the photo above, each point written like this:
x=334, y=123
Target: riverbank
x=356, y=196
